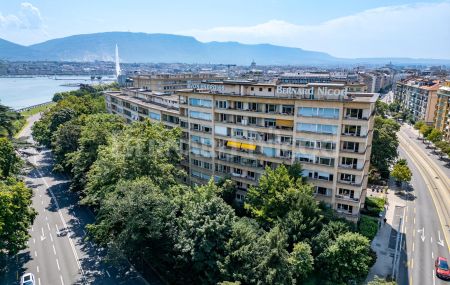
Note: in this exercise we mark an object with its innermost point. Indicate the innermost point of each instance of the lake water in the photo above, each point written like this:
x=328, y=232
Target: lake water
x=23, y=92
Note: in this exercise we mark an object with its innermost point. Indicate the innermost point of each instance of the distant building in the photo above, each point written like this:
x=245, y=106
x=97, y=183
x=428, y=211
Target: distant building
x=237, y=128
x=419, y=97
x=169, y=83
x=442, y=112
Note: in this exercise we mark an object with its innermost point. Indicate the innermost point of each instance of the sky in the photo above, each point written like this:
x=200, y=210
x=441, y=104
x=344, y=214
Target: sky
x=344, y=28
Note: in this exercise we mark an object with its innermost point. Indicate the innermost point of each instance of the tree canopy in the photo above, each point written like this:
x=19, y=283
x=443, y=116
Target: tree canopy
x=401, y=172
x=384, y=144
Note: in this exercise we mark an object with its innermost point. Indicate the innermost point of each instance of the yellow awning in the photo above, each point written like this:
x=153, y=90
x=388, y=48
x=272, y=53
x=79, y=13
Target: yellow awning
x=285, y=123
x=248, y=146
x=234, y=144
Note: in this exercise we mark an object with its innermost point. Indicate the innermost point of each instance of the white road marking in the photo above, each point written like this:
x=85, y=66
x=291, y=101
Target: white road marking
x=46, y=218
x=42, y=202
x=51, y=238
x=34, y=240
x=414, y=220
x=412, y=263
x=413, y=247
x=414, y=210
x=432, y=255
x=32, y=229
x=434, y=278
x=57, y=264
x=431, y=238
x=62, y=281
x=35, y=253
x=48, y=226
x=63, y=222
x=39, y=281
x=54, y=250
x=42, y=231
x=37, y=269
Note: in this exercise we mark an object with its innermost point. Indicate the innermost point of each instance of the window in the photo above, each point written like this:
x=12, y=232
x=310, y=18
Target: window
x=303, y=157
x=318, y=112
x=348, y=177
x=345, y=208
x=251, y=174
x=271, y=108
x=200, y=102
x=252, y=88
x=323, y=191
x=155, y=116
x=252, y=135
x=317, y=128
x=238, y=132
x=346, y=192
x=223, y=117
x=253, y=106
x=238, y=119
x=268, y=123
x=269, y=151
x=323, y=176
x=200, y=115
x=219, y=130
x=222, y=104
x=286, y=139
x=325, y=161
x=184, y=124
x=352, y=146
x=354, y=113
x=260, y=89
x=285, y=153
x=287, y=109
x=349, y=161
x=269, y=89
x=239, y=105
x=251, y=120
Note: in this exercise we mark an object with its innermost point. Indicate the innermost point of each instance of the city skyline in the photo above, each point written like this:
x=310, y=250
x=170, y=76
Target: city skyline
x=351, y=27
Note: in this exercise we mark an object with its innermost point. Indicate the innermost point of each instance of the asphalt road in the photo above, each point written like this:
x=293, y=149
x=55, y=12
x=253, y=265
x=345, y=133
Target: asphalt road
x=427, y=217
x=67, y=259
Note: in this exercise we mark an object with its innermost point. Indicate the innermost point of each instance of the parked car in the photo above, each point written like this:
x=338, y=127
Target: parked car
x=27, y=279
x=442, y=270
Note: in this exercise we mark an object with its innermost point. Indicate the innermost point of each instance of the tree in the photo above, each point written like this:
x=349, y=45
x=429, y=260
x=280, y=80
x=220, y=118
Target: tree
x=7, y=119
x=16, y=216
x=348, y=258
x=203, y=229
x=65, y=141
x=301, y=261
x=9, y=161
x=94, y=132
x=401, y=172
x=328, y=235
x=425, y=130
x=418, y=125
x=142, y=149
x=384, y=145
x=434, y=136
x=381, y=108
x=138, y=218
x=268, y=200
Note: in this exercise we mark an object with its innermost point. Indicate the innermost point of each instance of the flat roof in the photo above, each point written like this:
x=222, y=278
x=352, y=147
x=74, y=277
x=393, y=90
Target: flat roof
x=141, y=102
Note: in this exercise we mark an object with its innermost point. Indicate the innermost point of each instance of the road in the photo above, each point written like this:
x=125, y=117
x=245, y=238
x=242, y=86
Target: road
x=427, y=212
x=67, y=259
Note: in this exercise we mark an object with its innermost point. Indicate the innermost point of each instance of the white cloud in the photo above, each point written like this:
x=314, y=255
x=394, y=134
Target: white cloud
x=29, y=17
x=417, y=30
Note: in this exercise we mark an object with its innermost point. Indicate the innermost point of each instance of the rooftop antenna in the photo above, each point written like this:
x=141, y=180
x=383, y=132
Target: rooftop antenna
x=118, y=70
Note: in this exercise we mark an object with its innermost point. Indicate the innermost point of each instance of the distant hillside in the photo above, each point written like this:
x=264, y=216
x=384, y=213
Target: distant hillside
x=143, y=48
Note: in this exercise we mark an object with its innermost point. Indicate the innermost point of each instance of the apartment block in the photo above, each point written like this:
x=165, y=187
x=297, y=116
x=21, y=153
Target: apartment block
x=442, y=112
x=419, y=97
x=236, y=129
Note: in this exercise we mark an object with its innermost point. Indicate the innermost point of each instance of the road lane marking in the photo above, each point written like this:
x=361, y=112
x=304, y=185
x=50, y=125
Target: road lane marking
x=414, y=220
x=432, y=255
x=412, y=263
x=441, y=241
x=46, y=218
x=431, y=239
x=434, y=278
x=63, y=222
x=54, y=250
x=34, y=240
x=410, y=280
x=35, y=253
x=39, y=281
x=48, y=226
x=51, y=238
x=42, y=202
x=57, y=264
x=32, y=229
x=414, y=210
x=406, y=218
x=42, y=231
x=62, y=281
x=413, y=247
x=37, y=269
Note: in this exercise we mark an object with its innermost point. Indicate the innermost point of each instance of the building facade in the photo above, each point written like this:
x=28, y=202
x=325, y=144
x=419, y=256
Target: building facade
x=419, y=97
x=169, y=83
x=442, y=112
x=237, y=129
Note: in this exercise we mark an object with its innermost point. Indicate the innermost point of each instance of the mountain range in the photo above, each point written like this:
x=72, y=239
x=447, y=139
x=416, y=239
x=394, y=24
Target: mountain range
x=144, y=48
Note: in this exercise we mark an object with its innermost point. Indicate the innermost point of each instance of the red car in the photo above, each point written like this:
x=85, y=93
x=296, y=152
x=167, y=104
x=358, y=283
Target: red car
x=442, y=270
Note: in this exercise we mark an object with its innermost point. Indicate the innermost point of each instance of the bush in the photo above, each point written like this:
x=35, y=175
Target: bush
x=368, y=226
x=374, y=206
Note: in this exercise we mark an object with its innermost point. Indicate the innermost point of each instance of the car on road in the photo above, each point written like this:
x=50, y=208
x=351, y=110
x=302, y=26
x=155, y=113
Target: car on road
x=27, y=279
x=442, y=270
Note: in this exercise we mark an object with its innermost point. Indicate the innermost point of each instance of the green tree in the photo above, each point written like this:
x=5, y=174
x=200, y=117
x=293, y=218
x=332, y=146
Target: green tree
x=142, y=149
x=434, y=136
x=384, y=145
x=401, y=173
x=418, y=125
x=94, y=132
x=348, y=258
x=7, y=119
x=301, y=261
x=328, y=235
x=139, y=219
x=203, y=229
x=381, y=108
x=65, y=141
x=9, y=161
x=16, y=216
x=425, y=130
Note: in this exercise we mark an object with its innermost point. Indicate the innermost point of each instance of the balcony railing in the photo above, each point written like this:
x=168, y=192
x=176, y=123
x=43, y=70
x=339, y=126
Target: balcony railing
x=347, y=198
x=346, y=182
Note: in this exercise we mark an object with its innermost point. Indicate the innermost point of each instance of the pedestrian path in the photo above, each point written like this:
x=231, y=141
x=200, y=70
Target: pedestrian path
x=384, y=243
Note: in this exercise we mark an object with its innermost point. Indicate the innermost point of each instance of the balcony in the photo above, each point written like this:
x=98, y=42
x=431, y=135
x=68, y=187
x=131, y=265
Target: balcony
x=347, y=198
x=352, y=183
x=356, y=118
x=354, y=135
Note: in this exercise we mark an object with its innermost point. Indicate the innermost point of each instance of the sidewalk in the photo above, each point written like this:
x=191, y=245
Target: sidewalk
x=382, y=243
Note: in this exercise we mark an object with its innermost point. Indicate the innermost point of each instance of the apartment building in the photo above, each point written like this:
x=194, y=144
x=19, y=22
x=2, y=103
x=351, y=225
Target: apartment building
x=237, y=129
x=419, y=97
x=169, y=83
x=442, y=112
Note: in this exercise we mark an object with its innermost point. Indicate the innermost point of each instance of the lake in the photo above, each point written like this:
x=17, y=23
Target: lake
x=21, y=92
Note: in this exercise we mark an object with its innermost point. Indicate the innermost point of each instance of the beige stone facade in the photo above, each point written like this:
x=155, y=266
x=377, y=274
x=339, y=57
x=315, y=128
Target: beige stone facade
x=236, y=129
x=442, y=112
